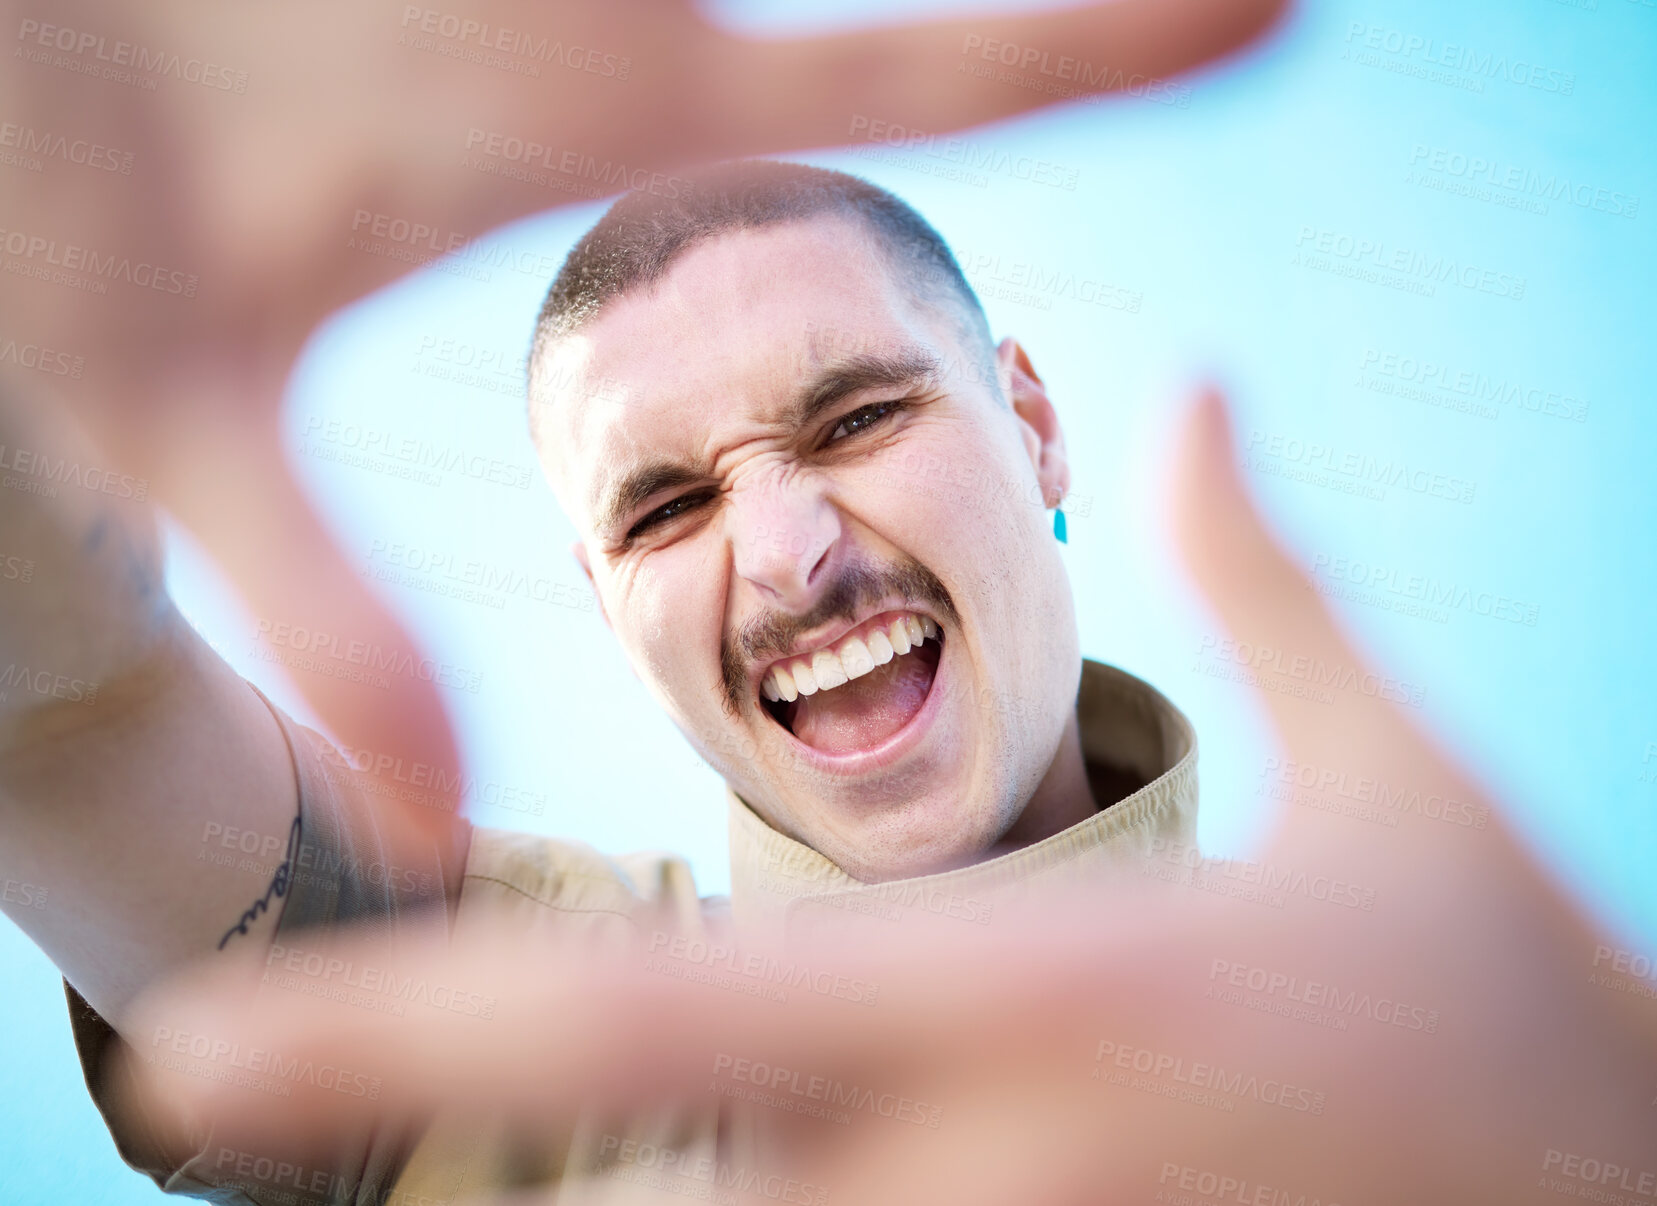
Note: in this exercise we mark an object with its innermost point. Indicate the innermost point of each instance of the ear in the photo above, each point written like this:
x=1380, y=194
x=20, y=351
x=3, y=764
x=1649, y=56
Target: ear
x=579, y=549
x=1038, y=421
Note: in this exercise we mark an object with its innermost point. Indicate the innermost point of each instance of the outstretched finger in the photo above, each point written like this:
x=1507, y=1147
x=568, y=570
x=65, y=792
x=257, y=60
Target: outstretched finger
x=1347, y=732
x=938, y=76
x=348, y=1034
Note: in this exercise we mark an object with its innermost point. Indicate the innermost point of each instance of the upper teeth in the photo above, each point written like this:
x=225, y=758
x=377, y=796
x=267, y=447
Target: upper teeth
x=825, y=669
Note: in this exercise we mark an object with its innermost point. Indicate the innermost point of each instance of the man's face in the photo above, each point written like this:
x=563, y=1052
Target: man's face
x=782, y=462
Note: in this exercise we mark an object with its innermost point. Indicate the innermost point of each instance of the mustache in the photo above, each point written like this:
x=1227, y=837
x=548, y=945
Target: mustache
x=768, y=635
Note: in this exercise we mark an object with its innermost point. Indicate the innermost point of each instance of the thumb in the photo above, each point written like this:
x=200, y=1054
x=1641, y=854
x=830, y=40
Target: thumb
x=1261, y=597
x=1341, y=721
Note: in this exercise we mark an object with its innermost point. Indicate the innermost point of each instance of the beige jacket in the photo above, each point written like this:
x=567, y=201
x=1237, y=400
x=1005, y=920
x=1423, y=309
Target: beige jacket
x=1141, y=754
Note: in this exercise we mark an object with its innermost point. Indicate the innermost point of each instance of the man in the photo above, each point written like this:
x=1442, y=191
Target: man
x=602, y=1047
x=277, y=163
x=129, y=807
x=745, y=394
x=773, y=409
x=1452, y=1043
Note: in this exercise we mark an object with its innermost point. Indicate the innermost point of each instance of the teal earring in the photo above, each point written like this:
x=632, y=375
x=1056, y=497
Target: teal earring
x=1058, y=525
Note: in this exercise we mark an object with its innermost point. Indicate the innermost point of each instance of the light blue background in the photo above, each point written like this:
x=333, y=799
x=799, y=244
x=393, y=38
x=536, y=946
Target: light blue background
x=1198, y=209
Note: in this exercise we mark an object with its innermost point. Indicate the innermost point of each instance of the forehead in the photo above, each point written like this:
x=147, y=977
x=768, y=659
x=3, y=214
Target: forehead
x=719, y=346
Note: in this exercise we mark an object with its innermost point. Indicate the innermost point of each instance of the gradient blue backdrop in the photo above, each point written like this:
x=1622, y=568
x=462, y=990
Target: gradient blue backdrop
x=1199, y=209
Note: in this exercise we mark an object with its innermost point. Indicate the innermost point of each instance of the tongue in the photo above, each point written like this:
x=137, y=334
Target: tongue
x=866, y=711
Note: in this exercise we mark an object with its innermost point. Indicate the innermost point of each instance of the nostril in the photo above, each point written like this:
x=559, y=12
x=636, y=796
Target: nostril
x=820, y=563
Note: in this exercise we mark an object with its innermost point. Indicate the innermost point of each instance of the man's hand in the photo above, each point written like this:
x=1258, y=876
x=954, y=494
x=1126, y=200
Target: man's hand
x=1418, y=1023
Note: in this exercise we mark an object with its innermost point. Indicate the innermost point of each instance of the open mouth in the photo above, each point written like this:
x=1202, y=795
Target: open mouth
x=855, y=693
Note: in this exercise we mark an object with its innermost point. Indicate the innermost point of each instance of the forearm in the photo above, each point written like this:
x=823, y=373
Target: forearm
x=83, y=597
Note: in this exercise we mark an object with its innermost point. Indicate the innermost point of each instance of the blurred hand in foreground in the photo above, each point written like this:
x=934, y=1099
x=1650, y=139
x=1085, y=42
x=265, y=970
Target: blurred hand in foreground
x=1448, y=1044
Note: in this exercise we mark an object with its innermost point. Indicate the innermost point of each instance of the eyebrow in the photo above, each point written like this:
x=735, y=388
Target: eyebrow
x=834, y=382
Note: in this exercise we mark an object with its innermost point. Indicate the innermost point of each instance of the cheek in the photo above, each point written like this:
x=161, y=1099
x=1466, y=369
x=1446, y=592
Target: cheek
x=965, y=501
x=672, y=628
x=954, y=490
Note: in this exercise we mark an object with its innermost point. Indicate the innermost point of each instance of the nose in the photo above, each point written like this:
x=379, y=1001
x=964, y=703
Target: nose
x=785, y=535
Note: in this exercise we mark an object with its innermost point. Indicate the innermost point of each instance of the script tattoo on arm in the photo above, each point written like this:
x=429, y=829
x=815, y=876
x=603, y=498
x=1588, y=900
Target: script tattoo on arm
x=278, y=888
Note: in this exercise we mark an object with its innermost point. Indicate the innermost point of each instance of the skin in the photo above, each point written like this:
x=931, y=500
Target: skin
x=703, y=367
x=1535, y=1058
x=264, y=143
x=1530, y=1068
x=318, y=114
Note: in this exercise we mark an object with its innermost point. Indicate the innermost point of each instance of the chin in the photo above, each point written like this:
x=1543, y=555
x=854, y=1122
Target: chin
x=924, y=836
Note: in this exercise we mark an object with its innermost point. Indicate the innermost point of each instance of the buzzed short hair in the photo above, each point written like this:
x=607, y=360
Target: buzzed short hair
x=642, y=234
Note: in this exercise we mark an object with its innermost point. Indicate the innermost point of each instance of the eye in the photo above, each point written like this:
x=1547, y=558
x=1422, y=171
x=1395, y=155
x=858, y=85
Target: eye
x=863, y=418
x=667, y=513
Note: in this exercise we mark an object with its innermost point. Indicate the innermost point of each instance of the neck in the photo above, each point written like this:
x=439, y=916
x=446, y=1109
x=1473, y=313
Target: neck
x=1062, y=799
